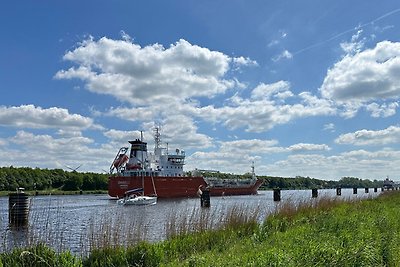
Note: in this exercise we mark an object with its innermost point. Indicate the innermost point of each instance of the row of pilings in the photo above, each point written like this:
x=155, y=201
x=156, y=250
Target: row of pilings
x=314, y=192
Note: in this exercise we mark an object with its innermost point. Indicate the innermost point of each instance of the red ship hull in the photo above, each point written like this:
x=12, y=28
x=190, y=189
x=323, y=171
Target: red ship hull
x=173, y=187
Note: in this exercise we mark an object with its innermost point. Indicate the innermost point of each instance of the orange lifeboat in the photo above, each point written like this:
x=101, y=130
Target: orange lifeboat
x=122, y=159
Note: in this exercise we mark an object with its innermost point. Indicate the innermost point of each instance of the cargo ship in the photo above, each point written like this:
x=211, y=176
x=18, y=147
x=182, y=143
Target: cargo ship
x=161, y=174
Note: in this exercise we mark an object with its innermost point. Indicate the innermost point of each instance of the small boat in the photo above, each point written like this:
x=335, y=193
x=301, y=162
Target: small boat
x=133, y=197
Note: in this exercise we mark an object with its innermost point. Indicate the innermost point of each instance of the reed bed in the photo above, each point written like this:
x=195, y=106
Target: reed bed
x=112, y=232
x=198, y=220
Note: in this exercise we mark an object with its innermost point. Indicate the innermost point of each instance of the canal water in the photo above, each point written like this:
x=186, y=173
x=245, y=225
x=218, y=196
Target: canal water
x=82, y=222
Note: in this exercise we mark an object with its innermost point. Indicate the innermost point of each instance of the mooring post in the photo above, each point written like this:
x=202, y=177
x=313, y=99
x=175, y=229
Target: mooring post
x=354, y=191
x=366, y=190
x=375, y=189
x=314, y=192
x=338, y=191
x=277, y=195
x=205, y=198
x=18, y=208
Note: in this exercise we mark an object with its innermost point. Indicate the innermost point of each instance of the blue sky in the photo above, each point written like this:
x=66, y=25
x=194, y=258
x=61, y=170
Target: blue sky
x=308, y=88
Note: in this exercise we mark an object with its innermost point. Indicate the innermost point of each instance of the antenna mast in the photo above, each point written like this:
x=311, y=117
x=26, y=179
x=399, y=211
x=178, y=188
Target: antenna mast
x=157, y=139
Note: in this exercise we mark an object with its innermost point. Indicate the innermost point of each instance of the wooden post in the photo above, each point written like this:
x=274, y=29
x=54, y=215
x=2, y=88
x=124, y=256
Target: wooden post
x=18, y=208
x=375, y=189
x=277, y=195
x=205, y=198
x=354, y=191
x=314, y=192
x=367, y=190
x=338, y=191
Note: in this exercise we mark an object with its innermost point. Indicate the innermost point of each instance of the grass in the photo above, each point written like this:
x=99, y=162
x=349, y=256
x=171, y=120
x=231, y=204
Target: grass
x=319, y=232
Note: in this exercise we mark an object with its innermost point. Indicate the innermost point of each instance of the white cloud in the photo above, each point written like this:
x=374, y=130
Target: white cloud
x=329, y=127
x=382, y=111
x=29, y=116
x=181, y=131
x=359, y=163
x=45, y=151
x=284, y=55
x=242, y=61
x=258, y=115
x=355, y=45
x=302, y=147
x=236, y=156
x=258, y=146
x=151, y=74
x=279, y=89
x=368, y=137
x=368, y=75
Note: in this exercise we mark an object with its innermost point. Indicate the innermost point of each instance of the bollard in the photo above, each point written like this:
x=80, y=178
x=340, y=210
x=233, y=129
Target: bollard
x=354, y=191
x=205, y=198
x=277, y=195
x=375, y=189
x=366, y=190
x=338, y=191
x=18, y=208
x=314, y=192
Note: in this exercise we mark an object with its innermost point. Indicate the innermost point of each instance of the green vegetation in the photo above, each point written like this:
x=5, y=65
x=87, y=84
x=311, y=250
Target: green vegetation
x=326, y=232
x=50, y=180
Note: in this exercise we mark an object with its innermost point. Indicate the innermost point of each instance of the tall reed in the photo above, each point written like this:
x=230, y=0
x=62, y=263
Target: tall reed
x=201, y=219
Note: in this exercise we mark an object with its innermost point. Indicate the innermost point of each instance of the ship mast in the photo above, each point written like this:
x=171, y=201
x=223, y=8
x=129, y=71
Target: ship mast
x=157, y=139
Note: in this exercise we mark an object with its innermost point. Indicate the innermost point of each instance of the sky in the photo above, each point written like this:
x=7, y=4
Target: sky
x=300, y=88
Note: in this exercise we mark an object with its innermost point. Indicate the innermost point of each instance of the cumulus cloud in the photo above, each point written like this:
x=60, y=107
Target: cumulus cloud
x=46, y=151
x=358, y=163
x=265, y=109
x=234, y=156
x=242, y=61
x=368, y=75
x=302, y=147
x=278, y=89
x=150, y=74
x=382, y=111
x=368, y=137
x=29, y=116
x=258, y=146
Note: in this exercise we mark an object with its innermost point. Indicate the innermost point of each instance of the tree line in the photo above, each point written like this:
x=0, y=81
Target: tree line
x=48, y=179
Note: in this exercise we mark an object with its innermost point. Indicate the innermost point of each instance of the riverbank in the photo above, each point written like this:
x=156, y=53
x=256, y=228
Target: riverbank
x=327, y=231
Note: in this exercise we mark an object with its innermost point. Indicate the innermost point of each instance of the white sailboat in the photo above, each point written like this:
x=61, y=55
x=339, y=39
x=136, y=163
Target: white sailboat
x=134, y=197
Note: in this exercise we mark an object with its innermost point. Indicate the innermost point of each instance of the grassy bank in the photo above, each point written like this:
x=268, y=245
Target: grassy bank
x=326, y=232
